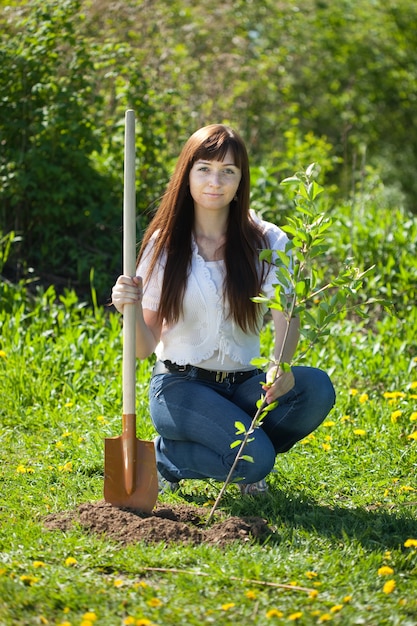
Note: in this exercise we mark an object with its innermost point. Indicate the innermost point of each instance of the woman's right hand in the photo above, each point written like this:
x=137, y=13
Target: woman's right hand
x=126, y=290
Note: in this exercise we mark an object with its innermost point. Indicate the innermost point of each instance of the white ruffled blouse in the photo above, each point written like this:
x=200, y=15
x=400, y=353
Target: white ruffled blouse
x=205, y=335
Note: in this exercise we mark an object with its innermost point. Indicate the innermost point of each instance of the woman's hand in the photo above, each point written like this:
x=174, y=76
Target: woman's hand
x=127, y=290
x=278, y=383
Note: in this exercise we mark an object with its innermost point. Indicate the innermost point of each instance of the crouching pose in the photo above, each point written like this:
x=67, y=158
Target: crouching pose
x=198, y=268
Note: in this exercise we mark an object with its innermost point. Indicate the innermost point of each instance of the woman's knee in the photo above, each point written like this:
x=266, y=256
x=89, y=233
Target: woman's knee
x=259, y=461
x=317, y=386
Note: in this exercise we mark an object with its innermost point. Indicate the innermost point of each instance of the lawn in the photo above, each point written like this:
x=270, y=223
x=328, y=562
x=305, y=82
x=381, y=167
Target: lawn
x=342, y=504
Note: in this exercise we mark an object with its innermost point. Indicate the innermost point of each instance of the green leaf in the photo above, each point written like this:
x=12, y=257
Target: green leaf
x=246, y=457
x=240, y=428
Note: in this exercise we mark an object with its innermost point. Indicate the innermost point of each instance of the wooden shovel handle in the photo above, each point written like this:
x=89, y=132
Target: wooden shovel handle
x=129, y=266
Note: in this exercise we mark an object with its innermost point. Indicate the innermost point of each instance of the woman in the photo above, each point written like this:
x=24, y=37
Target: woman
x=198, y=268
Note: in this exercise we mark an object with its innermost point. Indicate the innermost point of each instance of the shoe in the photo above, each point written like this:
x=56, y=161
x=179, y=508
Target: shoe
x=165, y=485
x=253, y=489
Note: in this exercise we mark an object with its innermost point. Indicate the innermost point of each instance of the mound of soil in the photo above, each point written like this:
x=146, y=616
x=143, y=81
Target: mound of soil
x=179, y=523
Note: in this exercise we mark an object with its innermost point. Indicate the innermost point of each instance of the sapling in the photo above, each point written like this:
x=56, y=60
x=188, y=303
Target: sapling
x=299, y=291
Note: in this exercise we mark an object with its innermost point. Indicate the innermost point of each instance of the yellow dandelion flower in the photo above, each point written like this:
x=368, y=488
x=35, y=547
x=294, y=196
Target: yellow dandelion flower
x=353, y=392
x=90, y=615
x=143, y=621
x=68, y=405
x=329, y=424
x=38, y=564
x=129, y=621
x=313, y=594
x=21, y=469
x=410, y=543
x=345, y=418
x=29, y=580
x=3, y=355
x=363, y=398
x=59, y=445
x=385, y=570
x=395, y=415
x=251, y=594
x=118, y=583
x=325, y=618
x=413, y=416
x=413, y=436
x=389, y=586
x=326, y=446
x=347, y=599
x=406, y=489
x=311, y=575
x=66, y=434
x=66, y=623
x=360, y=432
x=413, y=385
x=336, y=608
x=387, y=554
x=86, y=622
x=70, y=561
x=227, y=606
x=154, y=603
x=295, y=616
x=274, y=613
x=65, y=468
x=141, y=583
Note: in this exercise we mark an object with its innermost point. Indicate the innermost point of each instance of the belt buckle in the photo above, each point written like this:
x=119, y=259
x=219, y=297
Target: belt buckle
x=221, y=376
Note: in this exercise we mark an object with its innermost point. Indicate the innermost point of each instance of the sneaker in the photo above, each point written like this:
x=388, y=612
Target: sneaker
x=165, y=485
x=253, y=489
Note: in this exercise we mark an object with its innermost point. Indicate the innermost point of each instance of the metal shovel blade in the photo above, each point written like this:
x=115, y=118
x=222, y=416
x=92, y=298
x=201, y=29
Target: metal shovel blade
x=130, y=476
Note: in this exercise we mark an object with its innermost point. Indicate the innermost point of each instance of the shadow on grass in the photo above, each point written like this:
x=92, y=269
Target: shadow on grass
x=374, y=529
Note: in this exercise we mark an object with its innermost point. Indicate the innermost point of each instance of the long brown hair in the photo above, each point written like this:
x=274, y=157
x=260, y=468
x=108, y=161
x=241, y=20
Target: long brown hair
x=174, y=220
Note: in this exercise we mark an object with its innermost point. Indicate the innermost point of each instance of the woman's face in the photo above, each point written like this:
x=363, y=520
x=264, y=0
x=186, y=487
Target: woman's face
x=213, y=184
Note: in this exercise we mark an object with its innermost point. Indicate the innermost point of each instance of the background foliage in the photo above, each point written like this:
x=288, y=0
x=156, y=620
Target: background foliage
x=302, y=81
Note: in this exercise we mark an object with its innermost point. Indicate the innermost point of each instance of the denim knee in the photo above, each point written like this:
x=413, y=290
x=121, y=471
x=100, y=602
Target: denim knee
x=262, y=455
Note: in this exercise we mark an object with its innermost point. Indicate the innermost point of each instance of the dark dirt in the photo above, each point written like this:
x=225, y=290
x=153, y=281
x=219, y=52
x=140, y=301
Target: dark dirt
x=179, y=523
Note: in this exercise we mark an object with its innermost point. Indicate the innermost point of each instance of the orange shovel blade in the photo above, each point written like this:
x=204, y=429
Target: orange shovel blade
x=135, y=486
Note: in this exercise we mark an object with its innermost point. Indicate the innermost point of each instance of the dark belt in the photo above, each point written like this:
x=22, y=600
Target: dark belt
x=213, y=376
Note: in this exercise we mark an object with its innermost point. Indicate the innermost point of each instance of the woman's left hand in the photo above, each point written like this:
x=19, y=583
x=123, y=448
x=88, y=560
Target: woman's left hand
x=277, y=383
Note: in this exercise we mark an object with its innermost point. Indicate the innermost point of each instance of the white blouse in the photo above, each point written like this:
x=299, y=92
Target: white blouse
x=205, y=335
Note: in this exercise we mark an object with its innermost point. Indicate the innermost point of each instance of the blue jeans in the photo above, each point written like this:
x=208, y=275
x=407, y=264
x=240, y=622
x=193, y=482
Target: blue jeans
x=196, y=423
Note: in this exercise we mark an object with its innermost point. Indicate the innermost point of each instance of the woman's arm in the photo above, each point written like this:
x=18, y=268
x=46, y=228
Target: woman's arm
x=128, y=290
x=284, y=381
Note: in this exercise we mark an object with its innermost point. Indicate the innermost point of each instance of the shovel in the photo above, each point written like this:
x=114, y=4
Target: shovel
x=130, y=477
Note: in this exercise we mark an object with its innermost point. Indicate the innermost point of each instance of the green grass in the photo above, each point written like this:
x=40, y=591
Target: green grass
x=342, y=503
